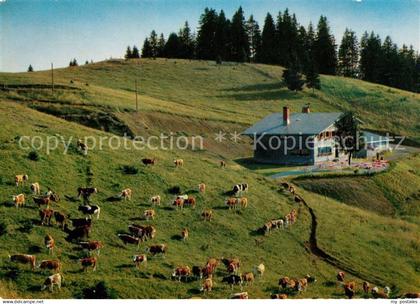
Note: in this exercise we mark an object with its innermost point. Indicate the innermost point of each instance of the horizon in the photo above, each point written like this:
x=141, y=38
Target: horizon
x=43, y=31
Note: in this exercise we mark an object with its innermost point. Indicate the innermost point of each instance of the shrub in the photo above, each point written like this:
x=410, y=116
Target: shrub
x=33, y=155
x=175, y=190
x=129, y=169
x=100, y=291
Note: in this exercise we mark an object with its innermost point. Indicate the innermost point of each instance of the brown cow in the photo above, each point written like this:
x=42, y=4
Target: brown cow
x=157, y=249
x=88, y=262
x=126, y=193
x=340, y=276
x=21, y=179
x=350, y=289
x=149, y=161
x=46, y=216
x=181, y=272
x=92, y=246
x=54, y=265
x=19, y=200
x=178, y=203
x=184, y=234
x=149, y=214
x=49, y=243
x=211, y=264
x=240, y=295
x=129, y=239
x=243, y=201
x=52, y=280
x=24, y=259
x=42, y=200
x=60, y=219
x=190, y=201
x=207, y=284
x=222, y=164
x=231, y=203
x=366, y=287
x=155, y=200
x=35, y=189
x=207, y=215
x=248, y=277
x=279, y=296
x=139, y=259
x=202, y=187
x=179, y=162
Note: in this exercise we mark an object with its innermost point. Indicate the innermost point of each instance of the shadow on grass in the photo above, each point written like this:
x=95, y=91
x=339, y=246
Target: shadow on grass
x=176, y=237
x=72, y=198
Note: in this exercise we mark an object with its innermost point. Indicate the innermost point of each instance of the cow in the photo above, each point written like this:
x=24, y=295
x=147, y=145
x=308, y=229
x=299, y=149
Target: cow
x=232, y=279
x=202, y=187
x=240, y=296
x=232, y=265
x=54, y=265
x=366, y=287
x=82, y=146
x=46, y=216
x=207, y=215
x=197, y=272
x=42, y=200
x=21, y=179
x=157, y=249
x=149, y=161
x=211, y=265
x=35, y=189
x=149, y=232
x=279, y=296
x=129, y=239
x=277, y=223
x=24, y=259
x=155, y=200
x=178, y=203
x=231, y=203
x=92, y=246
x=248, y=277
x=184, y=234
x=78, y=233
x=350, y=289
x=19, y=200
x=207, y=284
x=302, y=284
x=139, y=259
x=340, y=276
x=411, y=295
x=54, y=197
x=222, y=164
x=377, y=294
x=52, y=280
x=310, y=279
x=267, y=227
x=239, y=188
x=292, y=190
x=49, y=243
x=90, y=210
x=149, y=214
x=89, y=262
x=243, y=201
x=260, y=269
x=285, y=282
x=60, y=218
x=182, y=196
x=285, y=185
x=86, y=192
x=179, y=162
x=144, y=232
x=126, y=193
x=181, y=272
x=80, y=222
x=190, y=201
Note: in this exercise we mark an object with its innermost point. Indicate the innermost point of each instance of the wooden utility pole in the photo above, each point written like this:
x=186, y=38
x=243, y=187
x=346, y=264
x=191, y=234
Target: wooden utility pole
x=52, y=77
x=137, y=102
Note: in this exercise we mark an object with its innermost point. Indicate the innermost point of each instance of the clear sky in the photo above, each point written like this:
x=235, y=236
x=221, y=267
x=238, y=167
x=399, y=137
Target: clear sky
x=39, y=32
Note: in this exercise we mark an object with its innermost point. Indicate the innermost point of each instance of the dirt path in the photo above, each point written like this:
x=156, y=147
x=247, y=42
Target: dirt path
x=321, y=254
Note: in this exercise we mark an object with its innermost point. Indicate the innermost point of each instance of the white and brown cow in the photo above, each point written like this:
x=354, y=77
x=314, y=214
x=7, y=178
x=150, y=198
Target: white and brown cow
x=36, y=189
x=24, y=259
x=155, y=200
x=19, y=200
x=126, y=194
x=139, y=259
x=21, y=179
x=181, y=272
x=52, y=280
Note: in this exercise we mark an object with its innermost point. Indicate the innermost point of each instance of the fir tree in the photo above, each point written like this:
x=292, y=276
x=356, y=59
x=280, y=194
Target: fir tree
x=254, y=38
x=293, y=79
x=239, y=37
x=268, y=46
x=325, y=48
x=206, y=35
x=30, y=68
x=128, y=53
x=348, y=55
x=135, y=52
x=146, y=51
x=161, y=46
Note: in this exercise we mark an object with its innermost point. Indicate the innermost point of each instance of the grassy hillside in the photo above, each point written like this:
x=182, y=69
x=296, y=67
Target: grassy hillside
x=198, y=98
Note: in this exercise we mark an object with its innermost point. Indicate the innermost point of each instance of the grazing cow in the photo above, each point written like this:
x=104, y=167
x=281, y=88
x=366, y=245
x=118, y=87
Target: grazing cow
x=60, y=218
x=366, y=287
x=149, y=214
x=222, y=164
x=260, y=269
x=79, y=232
x=207, y=284
x=80, y=222
x=144, y=232
x=155, y=200
x=350, y=289
x=232, y=265
x=243, y=201
x=92, y=246
x=190, y=201
x=35, y=189
x=19, y=200
x=52, y=280
x=232, y=279
x=49, y=243
x=267, y=227
x=149, y=232
x=181, y=272
x=340, y=276
x=277, y=223
x=279, y=296
x=149, y=161
x=178, y=203
x=157, y=249
x=126, y=193
x=139, y=259
x=42, y=200
x=202, y=187
x=411, y=295
x=239, y=188
x=197, y=272
x=377, y=294
x=285, y=282
x=184, y=234
x=231, y=203
x=90, y=210
x=88, y=262
x=129, y=239
x=54, y=197
x=248, y=277
x=302, y=284
x=82, y=146
x=310, y=278
x=240, y=296
x=211, y=265
x=21, y=179
x=54, y=265
x=86, y=192
x=46, y=216
x=179, y=162
x=24, y=259
x=207, y=215
x=292, y=190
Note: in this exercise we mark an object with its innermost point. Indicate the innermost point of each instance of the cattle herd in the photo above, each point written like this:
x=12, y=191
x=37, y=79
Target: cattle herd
x=137, y=234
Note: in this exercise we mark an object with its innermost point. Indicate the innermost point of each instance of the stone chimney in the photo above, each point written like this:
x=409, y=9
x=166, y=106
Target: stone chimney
x=286, y=116
x=306, y=109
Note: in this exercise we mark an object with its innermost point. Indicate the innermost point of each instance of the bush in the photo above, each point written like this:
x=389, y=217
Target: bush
x=100, y=291
x=129, y=169
x=33, y=155
x=175, y=190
